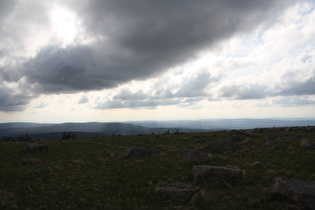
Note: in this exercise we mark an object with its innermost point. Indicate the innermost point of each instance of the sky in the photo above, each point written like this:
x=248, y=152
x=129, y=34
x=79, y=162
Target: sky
x=115, y=60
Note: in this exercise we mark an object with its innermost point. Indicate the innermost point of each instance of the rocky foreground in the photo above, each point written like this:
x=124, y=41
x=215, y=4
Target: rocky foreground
x=270, y=168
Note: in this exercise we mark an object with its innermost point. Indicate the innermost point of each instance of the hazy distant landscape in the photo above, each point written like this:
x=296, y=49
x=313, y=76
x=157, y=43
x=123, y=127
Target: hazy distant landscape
x=92, y=129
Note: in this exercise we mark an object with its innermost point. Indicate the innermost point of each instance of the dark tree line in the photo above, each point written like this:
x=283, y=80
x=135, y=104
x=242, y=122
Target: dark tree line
x=25, y=137
x=68, y=135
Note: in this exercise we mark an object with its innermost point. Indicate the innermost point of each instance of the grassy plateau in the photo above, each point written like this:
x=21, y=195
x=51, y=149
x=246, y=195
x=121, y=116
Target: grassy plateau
x=92, y=173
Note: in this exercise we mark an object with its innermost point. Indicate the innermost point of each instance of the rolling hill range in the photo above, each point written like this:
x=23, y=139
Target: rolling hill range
x=54, y=131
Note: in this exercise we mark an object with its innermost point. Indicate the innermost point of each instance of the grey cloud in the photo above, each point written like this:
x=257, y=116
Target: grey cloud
x=128, y=95
x=83, y=100
x=41, y=105
x=306, y=58
x=147, y=103
x=293, y=87
x=140, y=39
x=243, y=92
x=288, y=101
x=195, y=87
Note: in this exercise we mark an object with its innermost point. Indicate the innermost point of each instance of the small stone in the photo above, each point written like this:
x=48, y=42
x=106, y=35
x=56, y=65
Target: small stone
x=77, y=162
x=255, y=164
x=306, y=143
x=31, y=161
x=246, y=142
x=109, y=152
x=270, y=144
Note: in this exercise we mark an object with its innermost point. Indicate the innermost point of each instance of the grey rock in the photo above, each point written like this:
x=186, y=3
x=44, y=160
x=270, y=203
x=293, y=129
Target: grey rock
x=213, y=174
x=301, y=192
x=77, y=162
x=223, y=145
x=310, y=129
x=257, y=163
x=307, y=143
x=198, y=155
x=31, y=161
x=199, y=198
x=295, y=137
x=134, y=152
x=138, y=152
x=34, y=147
x=245, y=150
x=109, y=152
x=214, y=135
x=177, y=190
x=246, y=142
x=199, y=141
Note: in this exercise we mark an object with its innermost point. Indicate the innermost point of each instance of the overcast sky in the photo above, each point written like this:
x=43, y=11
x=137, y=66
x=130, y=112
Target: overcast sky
x=115, y=60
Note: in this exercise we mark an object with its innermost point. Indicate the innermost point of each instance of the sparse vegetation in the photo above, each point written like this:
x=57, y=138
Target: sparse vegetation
x=92, y=173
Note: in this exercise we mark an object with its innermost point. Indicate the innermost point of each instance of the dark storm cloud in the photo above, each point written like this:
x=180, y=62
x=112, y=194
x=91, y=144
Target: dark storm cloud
x=140, y=39
x=11, y=101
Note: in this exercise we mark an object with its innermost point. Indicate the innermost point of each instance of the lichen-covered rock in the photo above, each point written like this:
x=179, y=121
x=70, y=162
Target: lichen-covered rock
x=213, y=174
x=198, y=155
x=177, y=190
x=301, y=192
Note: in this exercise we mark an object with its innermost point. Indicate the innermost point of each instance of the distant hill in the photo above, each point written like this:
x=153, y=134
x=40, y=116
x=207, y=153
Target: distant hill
x=55, y=131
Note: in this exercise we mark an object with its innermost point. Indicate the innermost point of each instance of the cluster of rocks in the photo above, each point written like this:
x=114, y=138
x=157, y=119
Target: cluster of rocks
x=202, y=174
x=300, y=192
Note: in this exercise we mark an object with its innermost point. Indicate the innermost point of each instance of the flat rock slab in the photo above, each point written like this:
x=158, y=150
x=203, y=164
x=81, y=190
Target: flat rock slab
x=177, y=190
x=301, y=192
x=213, y=174
x=198, y=155
x=33, y=147
x=31, y=161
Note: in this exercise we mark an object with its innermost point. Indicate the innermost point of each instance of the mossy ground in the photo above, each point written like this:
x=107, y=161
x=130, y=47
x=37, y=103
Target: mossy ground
x=108, y=181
